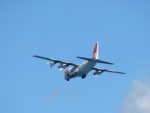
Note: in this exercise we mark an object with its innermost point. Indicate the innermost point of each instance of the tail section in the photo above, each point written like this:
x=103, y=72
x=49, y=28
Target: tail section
x=95, y=56
x=95, y=52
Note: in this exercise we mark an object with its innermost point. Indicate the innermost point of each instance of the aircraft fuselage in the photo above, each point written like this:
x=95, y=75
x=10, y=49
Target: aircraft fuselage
x=82, y=70
x=85, y=67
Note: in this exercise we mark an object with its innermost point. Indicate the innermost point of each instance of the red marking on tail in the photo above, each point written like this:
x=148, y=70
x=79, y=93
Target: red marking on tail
x=95, y=51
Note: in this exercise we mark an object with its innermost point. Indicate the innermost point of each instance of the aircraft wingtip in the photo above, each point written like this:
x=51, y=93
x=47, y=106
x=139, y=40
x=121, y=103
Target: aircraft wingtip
x=34, y=55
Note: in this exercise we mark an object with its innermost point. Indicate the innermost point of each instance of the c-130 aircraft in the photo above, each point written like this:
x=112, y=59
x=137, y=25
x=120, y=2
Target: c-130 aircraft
x=80, y=70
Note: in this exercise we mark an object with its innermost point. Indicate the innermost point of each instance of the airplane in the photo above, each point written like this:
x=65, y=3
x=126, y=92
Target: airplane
x=80, y=70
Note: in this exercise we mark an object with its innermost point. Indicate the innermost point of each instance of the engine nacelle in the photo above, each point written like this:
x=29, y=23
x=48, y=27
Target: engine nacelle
x=52, y=63
x=97, y=72
x=62, y=66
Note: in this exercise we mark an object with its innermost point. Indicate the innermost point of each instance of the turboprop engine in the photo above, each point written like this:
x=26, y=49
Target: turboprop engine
x=52, y=63
x=97, y=72
x=62, y=66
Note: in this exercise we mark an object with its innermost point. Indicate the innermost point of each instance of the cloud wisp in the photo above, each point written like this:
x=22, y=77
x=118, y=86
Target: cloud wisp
x=138, y=99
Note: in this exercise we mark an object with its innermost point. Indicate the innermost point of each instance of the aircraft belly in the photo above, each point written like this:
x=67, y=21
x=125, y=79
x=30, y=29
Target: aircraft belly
x=86, y=67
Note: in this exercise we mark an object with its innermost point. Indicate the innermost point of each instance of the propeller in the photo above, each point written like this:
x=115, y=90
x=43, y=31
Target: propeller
x=96, y=76
x=49, y=63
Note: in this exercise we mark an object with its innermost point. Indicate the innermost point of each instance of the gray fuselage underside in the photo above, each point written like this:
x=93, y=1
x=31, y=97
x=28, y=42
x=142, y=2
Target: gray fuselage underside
x=85, y=68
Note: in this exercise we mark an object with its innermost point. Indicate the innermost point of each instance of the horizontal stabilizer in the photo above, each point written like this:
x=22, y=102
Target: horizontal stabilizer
x=84, y=58
x=98, y=61
x=104, y=62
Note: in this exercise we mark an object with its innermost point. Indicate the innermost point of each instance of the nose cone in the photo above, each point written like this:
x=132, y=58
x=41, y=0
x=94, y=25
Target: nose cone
x=67, y=76
x=67, y=73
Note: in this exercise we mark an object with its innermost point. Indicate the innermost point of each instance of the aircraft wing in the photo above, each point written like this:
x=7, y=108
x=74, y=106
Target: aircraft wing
x=105, y=70
x=56, y=61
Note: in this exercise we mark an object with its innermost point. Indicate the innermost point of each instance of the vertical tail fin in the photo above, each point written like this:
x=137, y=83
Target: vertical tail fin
x=95, y=52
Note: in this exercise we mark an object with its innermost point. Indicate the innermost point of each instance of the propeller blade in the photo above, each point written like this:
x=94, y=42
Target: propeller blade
x=47, y=62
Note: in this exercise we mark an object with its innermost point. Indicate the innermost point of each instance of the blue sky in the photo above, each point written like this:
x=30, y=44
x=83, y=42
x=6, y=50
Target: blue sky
x=64, y=30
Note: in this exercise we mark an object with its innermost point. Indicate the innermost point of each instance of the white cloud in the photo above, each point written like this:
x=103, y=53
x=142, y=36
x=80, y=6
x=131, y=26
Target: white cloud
x=138, y=99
